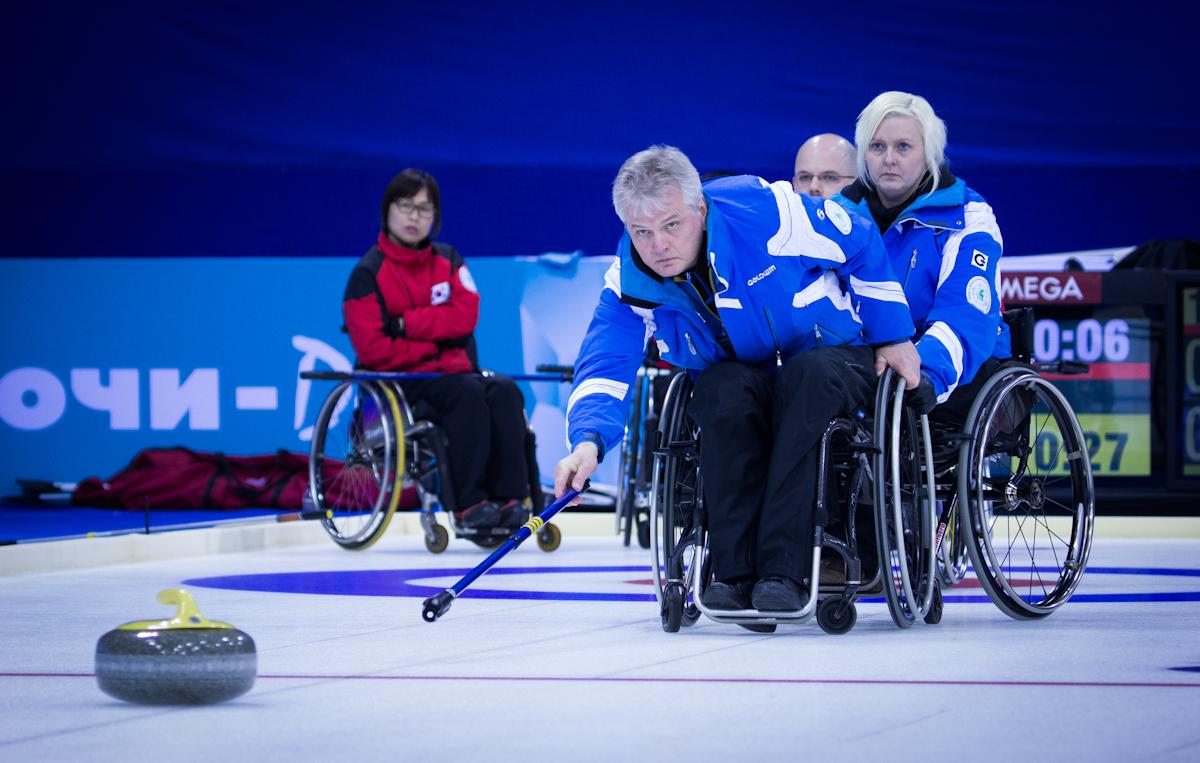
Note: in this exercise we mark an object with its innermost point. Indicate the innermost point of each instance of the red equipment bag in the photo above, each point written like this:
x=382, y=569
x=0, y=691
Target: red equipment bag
x=180, y=478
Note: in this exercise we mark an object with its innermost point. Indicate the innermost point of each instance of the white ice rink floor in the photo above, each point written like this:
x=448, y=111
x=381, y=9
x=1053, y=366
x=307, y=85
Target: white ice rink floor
x=349, y=671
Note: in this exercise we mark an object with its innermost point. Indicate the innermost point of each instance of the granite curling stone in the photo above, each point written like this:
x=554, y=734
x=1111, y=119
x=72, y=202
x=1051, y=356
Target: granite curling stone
x=186, y=660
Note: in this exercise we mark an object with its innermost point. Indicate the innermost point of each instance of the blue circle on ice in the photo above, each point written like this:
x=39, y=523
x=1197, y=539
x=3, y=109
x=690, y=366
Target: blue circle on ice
x=408, y=582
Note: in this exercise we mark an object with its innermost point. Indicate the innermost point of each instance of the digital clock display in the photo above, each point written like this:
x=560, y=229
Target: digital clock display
x=1111, y=400
x=1189, y=384
x=1088, y=340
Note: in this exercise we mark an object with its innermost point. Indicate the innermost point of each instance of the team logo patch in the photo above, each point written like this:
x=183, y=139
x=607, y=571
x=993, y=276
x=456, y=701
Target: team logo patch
x=464, y=277
x=979, y=259
x=439, y=293
x=837, y=216
x=979, y=294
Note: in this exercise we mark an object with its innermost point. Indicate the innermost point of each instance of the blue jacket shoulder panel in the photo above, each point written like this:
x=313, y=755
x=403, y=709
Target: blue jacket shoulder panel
x=945, y=247
x=790, y=274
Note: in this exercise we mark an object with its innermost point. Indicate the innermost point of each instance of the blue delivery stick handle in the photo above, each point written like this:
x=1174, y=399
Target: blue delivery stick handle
x=436, y=606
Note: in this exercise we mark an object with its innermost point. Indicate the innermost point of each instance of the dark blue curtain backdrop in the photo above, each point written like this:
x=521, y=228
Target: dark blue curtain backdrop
x=266, y=129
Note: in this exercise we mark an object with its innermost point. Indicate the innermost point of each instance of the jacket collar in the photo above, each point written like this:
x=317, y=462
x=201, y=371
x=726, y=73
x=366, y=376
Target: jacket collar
x=400, y=252
x=940, y=209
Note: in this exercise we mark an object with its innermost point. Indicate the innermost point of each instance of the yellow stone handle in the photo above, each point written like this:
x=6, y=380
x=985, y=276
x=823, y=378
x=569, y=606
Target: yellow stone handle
x=187, y=614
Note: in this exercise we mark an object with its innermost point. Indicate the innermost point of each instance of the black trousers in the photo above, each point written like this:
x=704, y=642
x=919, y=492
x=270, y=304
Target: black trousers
x=956, y=408
x=484, y=420
x=759, y=437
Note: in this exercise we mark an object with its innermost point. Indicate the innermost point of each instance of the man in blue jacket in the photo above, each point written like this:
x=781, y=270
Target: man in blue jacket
x=774, y=302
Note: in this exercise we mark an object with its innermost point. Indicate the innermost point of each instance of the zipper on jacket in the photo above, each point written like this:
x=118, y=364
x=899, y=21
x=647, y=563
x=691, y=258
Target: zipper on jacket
x=692, y=346
x=911, y=264
x=774, y=338
x=817, y=331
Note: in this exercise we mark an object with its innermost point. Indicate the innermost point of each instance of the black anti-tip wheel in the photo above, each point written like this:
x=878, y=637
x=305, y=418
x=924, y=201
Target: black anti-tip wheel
x=643, y=531
x=836, y=615
x=672, y=607
x=440, y=540
x=549, y=538
x=934, y=615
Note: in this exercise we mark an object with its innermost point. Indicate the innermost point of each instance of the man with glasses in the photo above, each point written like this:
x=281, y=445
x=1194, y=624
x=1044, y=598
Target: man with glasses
x=824, y=166
x=783, y=308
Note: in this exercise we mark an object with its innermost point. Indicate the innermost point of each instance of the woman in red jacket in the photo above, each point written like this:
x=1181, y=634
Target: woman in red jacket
x=411, y=305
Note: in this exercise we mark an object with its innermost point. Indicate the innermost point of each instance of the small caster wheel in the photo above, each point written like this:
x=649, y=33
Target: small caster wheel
x=836, y=615
x=691, y=613
x=934, y=615
x=672, y=607
x=549, y=538
x=439, y=541
x=643, y=531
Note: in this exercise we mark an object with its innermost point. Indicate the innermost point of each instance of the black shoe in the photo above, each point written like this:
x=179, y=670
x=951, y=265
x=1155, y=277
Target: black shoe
x=485, y=514
x=759, y=627
x=833, y=571
x=513, y=514
x=727, y=596
x=777, y=595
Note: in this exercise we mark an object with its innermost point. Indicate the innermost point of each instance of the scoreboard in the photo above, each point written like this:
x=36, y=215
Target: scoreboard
x=1184, y=381
x=1139, y=402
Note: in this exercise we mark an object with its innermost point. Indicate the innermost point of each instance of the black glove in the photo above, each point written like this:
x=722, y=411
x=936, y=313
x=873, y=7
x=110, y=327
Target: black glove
x=393, y=326
x=456, y=343
x=922, y=399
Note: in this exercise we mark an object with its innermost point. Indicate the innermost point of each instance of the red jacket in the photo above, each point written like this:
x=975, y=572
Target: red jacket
x=431, y=289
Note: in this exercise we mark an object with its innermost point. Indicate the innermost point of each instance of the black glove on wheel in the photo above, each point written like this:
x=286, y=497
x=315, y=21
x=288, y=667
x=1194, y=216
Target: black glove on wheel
x=922, y=399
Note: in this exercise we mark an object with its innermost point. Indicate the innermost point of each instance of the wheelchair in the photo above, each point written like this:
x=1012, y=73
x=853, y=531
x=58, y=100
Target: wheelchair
x=370, y=446
x=1020, y=468
x=637, y=453
x=1009, y=488
x=852, y=450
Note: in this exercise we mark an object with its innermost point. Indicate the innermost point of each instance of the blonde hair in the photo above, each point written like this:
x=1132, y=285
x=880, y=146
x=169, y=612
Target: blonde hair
x=896, y=103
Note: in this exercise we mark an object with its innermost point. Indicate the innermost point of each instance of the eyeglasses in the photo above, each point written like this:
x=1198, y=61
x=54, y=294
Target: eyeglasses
x=826, y=178
x=407, y=208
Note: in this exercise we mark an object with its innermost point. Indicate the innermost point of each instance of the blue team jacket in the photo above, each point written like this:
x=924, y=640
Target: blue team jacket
x=945, y=248
x=791, y=274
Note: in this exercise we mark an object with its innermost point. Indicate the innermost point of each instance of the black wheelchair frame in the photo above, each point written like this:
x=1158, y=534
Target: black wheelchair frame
x=1027, y=527
x=362, y=459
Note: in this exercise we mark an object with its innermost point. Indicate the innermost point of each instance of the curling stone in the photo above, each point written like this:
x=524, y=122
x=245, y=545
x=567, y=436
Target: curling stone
x=186, y=660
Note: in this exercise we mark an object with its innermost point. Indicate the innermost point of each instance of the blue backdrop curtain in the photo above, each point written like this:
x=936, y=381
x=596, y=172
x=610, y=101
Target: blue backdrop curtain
x=264, y=129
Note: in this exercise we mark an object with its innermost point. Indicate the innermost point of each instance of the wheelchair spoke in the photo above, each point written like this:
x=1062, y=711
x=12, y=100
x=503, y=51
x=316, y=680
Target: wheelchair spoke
x=1033, y=559
x=1058, y=563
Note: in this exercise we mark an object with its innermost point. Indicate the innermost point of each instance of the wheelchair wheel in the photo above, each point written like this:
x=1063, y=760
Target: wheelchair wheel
x=1027, y=480
x=934, y=615
x=627, y=468
x=671, y=608
x=675, y=491
x=357, y=455
x=836, y=615
x=440, y=540
x=904, y=504
x=549, y=538
x=952, y=556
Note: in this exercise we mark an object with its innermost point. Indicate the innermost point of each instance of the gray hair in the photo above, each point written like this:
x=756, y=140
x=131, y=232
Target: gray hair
x=647, y=176
x=896, y=103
